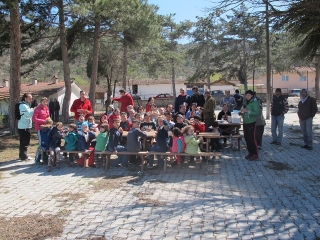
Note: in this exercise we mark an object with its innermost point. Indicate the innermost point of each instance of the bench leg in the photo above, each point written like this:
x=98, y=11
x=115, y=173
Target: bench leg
x=142, y=163
x=107, y=161
x=165, y=165
x=239, y=143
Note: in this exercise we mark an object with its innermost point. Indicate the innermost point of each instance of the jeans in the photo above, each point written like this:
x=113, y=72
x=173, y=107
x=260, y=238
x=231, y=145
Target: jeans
x=277, y=122
x=24, y=135
x=122, y=159
x=160, y=160
x=306, y=129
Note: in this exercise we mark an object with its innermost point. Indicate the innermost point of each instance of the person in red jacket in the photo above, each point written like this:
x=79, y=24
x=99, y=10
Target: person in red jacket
x=125, y=100
x=114, y=115
x=81, y=105
x=198, y=126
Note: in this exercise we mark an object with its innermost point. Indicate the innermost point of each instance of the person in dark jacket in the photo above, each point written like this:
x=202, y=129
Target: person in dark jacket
x=84, y=138
x=55, y=145
x=56, y=109
x=307, y=109
x=51, y=111
x=114, y=145
x=239, y=100
x=279, y=107
x=162, y=144
x=181, y=100
x=197, y=97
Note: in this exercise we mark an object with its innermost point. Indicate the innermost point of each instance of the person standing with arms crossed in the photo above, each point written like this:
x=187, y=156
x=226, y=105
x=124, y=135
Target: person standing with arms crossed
x=279, y=107
x=24, y=125
x=81, y=105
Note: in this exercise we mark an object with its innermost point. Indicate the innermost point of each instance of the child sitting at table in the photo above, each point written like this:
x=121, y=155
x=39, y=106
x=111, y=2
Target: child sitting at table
x=114, y=144
x=223, y=115
x=55, y=145
x=197, y=125
x=168, y=116
x=114, y=115
x=92, y=124
x=192, y=142
x=215, y=142
x=125, y=124
x=84, y=139
x=153, y=113
x=178, y=144
x=162, y=142
x=147, y=125
x=71, y=140
x=81, y=120
x=101, y=143
x=180, y=124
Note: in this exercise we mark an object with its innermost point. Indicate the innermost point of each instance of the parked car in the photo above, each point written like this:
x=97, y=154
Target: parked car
x=163, y=96
x=217, y=93
x=294, y=92
x=136, y=97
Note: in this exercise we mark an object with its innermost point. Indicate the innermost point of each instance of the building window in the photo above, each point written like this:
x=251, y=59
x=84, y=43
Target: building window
x=285, y=78
x=135, y=89
x=303, y=78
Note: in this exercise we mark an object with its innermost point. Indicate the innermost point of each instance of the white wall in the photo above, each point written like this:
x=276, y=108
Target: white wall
x=146, y=91
x=75, y=93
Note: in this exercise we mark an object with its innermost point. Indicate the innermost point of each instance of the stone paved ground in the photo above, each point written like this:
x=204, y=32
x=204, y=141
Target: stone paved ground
x=277, y=197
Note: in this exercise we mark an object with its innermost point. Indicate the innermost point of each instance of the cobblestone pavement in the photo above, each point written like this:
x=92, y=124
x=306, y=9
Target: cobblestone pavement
x=277, y=197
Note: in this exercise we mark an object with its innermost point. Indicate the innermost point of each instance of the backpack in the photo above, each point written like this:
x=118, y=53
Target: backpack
x=17, y=111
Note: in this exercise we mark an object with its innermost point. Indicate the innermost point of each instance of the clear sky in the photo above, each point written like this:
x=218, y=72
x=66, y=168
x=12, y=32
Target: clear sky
x=184, y=9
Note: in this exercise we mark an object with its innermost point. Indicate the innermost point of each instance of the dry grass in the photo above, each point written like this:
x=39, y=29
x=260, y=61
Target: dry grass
x=9, y=147
x=69, y=196
x=31, y=227
x=143, y=199
x=111, y=182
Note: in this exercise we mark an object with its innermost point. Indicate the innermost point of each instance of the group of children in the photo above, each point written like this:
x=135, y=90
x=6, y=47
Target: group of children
x=87, y=136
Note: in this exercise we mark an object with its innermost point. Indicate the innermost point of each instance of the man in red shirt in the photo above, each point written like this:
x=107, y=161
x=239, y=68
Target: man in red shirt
x=81, y=105
x=125, y=100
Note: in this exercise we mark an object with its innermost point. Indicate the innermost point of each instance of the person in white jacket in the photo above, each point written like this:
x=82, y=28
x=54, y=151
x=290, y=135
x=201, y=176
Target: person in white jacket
x=24, y=125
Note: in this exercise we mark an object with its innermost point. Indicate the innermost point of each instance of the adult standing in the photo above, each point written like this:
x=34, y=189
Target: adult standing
x=250, y=111
x=197, y=97
x=227, y=99
x=56, y=109
x=51, y=106
x=279, y=107
x=181, y=99
x=307, y=109
x=81, y=105
x=239, y=100
x=260, y=123
x=208, y=109
x=125, y=99
x=24, y=125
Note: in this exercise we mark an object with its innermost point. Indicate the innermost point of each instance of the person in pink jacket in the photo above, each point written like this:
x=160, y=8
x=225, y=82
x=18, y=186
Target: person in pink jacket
x=41, y=113
x=178, y=144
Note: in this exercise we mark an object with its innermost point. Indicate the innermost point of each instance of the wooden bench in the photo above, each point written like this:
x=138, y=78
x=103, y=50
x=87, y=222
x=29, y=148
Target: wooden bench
x=238, y=137
x=86, y=156
x=202, y=154
x=145, y=153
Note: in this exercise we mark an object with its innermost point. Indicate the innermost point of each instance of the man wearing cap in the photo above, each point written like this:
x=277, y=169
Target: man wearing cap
x=250, y=111
x=279, y=107
x=81, y=105
x=125, y=99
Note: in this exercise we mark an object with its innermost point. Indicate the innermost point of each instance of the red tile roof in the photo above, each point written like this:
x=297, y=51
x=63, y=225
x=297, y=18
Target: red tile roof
x=99, y=89
x=40, y=89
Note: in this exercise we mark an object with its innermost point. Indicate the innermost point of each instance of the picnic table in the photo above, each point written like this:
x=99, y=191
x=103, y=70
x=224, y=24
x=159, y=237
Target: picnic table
x=230, y=128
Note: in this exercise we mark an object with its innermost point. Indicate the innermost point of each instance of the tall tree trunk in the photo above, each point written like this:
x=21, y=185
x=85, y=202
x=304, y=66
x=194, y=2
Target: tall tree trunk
x=208, y=65
x=173, y=80
x=95, y=62
x=15, y=62
x=317, y=80
x=245, y=67
x=125, y=65
x=65, y=60
x=269, y=92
